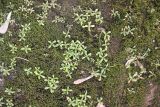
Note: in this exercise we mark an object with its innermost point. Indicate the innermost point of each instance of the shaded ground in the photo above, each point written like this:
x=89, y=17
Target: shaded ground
x=113, y=88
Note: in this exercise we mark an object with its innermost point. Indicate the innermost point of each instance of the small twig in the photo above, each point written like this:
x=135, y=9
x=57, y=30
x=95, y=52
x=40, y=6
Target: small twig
x=79, y=81
x=22, y=58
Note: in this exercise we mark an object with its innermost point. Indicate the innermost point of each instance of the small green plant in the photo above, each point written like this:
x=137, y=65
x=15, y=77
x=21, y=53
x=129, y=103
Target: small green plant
x=26, y=8
x=67, y=35
x=28, y=71
x=39, y=73
x=49, y=4
x=6, y=70
x=57, y=43
x=133, y=58
x=13, y=63
x=9, y=91
x=54, y=4
x=52, y=83
x=128, y=17
x=1, y=102
x=66, y=91
x=13, y=48
x=85, y=17
x=26, y=49
x=131, y=90
x=6, y=102
x=74, y=52
x=1, y=40
x=115, y=13
x=80, y=101
x=9, y=103
x=127, y=30
x=102, y=64
x=94, y=2
x=58, y=19
x=22, y=33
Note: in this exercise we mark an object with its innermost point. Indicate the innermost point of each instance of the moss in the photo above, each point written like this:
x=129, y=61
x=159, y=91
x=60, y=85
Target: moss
x=113, y=88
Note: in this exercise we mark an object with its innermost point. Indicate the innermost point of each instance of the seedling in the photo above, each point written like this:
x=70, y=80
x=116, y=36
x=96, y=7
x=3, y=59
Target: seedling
x=26, y=49
x=22, y=34
x=84, y=17
x=80, y=101
x=45, y=8
x=127, y=30
x=131, y=90
x=135, y=60
x=102, y=64
x=58, y=19
x=54, y=4
x=115, y=13
x=1, y=40
x=4, y=70
x=28, y=71
x=9, y=91
x=13, y=48
x=67, y=35
x=39, y=73
x=52, y=83
x=9, y=103
x=66, y=91
x=1, y=102
x=74, y=52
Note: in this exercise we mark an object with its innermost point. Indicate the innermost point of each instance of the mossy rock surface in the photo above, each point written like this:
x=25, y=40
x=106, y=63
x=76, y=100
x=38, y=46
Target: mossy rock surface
x=113, y=88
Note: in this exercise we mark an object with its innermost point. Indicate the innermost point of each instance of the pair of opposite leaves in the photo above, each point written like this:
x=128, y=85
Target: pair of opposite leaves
x=4, y=26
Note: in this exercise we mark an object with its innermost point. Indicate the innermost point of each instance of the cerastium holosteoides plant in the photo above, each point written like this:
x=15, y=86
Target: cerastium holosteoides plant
x=7, y=101
x=22, y=33
x=75, y=51
x=85, y=17
x=133, y=58
x=6, y=69
x=52, y=83
x=49, y=4
x=101, y=62
x=39, y=73
x=81, y=101
x=26, y=8
x=66, y=90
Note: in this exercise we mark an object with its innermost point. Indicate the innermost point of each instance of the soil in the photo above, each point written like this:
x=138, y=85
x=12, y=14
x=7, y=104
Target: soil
x=152, y=95
x=115, y=45
x=113, y=87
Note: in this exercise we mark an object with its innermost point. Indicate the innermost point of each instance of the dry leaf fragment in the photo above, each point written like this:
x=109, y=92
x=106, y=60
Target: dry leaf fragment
x=82, y=80
x=4, y=26
x=100, y=104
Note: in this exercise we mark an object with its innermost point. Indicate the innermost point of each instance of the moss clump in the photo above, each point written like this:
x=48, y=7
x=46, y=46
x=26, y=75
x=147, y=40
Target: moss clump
x=113, y=88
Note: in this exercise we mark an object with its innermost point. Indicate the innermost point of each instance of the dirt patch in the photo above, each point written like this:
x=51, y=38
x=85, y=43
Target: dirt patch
x=105, y=8
x=66, y=10
x=67, y=7
x=152, y=98
x=115, y=44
